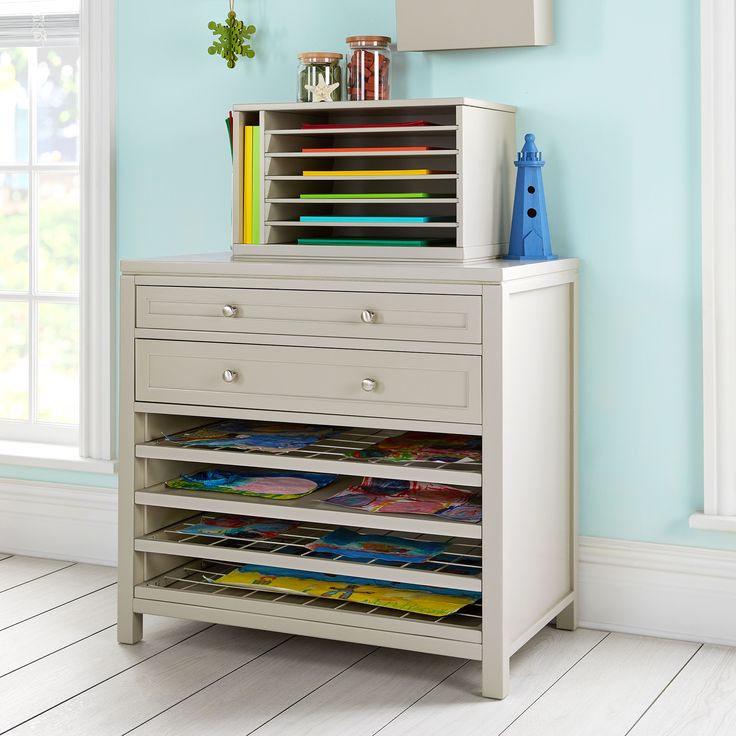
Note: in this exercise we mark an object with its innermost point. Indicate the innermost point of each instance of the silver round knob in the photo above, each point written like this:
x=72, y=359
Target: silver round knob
x=369, y=384
x=229, y=311
x=229, y=376
x=367, y=316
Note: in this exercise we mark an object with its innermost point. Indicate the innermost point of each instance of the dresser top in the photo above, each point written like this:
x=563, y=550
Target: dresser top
x=223, y=265
x=371, y=104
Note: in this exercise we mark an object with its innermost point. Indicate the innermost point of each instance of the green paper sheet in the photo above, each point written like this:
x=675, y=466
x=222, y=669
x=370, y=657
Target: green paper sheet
x=363, y=241
x=256, y=190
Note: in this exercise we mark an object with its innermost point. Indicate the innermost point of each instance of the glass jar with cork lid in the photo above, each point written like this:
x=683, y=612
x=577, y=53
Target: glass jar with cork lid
x=369, y=67
x=319, y=78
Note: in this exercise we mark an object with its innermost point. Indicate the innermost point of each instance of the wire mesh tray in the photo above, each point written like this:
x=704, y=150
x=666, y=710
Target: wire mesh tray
x=338, y=448
x=197, y=577
x=461, y=559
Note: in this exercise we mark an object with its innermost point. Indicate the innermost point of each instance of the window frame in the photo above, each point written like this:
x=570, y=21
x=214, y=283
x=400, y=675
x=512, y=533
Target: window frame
x=718, y=194
x=96, y=441
x=98, y=252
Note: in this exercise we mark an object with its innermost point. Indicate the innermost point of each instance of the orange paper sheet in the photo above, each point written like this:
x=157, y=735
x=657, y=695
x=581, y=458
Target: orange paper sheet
x=365, y=149
x=377, y=172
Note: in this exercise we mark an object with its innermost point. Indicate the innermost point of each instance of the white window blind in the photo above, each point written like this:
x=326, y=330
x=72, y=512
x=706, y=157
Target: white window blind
x=58, y=29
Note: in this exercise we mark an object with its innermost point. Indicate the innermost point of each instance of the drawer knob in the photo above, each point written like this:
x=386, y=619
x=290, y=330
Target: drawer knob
x=229, y=376
x=229, y=310
x=367, y=316
x=368, y=384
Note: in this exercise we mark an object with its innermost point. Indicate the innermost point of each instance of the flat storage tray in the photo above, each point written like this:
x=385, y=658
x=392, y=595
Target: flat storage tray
x=458, y=567
x=310, y=508
x=191, y=584
x=330, y=455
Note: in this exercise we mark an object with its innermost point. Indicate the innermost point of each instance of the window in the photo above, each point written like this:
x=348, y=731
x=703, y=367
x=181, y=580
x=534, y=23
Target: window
x=718, y=114
x=39, y=242
x=56, y=224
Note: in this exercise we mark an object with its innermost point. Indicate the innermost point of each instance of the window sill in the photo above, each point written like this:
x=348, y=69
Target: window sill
x=56, y=457
x=713, y=523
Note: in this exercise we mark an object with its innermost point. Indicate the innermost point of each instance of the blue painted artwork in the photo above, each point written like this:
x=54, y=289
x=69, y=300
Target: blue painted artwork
x=353, y=545
x=529, y=240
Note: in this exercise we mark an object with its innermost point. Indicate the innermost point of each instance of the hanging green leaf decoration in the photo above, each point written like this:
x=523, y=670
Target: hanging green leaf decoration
x=231, y=43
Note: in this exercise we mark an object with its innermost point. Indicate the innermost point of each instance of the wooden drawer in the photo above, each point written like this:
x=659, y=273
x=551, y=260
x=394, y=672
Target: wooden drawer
x=407, y=385
x=430, y=317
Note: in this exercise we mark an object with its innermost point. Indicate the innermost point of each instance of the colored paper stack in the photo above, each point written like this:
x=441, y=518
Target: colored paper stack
x=252, y=185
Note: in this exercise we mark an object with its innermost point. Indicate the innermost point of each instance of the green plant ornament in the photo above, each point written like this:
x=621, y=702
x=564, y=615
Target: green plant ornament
x=233, y=34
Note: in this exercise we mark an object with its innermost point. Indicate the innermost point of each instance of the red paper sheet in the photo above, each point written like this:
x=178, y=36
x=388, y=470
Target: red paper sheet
x=331, y=126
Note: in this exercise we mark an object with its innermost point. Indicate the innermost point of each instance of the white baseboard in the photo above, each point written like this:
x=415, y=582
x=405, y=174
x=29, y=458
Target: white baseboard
x=634, y=587
x=57, y=521
x=658, y=590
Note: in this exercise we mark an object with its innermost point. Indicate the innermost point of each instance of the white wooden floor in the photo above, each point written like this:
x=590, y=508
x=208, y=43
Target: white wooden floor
x=62, y=671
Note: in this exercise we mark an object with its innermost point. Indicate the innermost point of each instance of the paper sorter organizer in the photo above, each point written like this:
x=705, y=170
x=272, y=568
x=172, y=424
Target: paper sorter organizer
x=468, y=190
x=487, y=350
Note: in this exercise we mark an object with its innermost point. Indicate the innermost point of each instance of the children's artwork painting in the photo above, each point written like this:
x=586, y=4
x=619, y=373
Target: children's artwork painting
x=353, y=545
x=237, y=434
x=238, y=527
x=277, y=484
x=425, y=446
x=381, y=495
x=404, y=597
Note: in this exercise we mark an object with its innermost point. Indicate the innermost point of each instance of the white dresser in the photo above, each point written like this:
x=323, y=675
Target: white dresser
x=484, y=349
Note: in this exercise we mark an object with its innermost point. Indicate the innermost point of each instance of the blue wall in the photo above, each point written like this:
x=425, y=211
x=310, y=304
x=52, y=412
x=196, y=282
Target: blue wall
x=615, y=105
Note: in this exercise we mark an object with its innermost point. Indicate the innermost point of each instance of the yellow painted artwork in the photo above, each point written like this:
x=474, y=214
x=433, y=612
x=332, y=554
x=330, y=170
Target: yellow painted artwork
x=414, y=598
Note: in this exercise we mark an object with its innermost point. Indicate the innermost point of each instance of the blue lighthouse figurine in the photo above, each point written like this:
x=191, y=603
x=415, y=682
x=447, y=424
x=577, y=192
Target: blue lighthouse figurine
x=530, y=239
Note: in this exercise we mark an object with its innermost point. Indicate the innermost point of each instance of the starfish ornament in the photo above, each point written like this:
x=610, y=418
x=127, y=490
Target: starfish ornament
x=322, y=92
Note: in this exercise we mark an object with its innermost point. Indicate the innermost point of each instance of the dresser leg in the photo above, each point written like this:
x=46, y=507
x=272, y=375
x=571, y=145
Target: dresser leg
x=495, y=678
x=567, y=619
x=130, y=628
